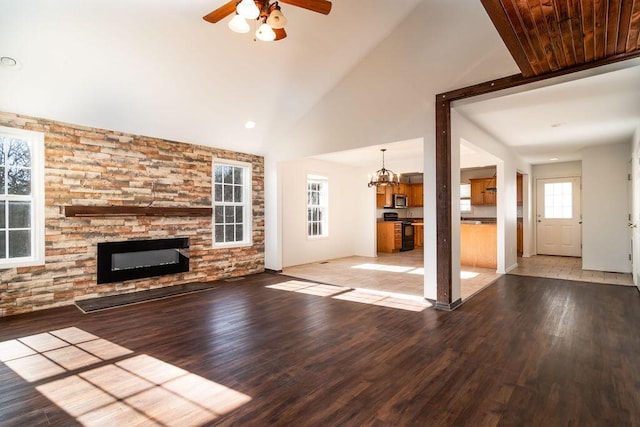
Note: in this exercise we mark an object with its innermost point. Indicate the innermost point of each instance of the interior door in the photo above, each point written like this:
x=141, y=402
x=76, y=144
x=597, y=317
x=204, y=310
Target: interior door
x=558, y=217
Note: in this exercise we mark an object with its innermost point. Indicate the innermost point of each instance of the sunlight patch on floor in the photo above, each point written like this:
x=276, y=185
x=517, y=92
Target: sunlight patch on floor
x=384, y=267
x=468, y=274
x=376, y=298
x=308, y=288
x=380, y=298
x=138, y=389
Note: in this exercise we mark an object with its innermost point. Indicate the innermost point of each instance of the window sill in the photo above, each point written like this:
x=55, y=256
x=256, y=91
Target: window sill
x=232, y=245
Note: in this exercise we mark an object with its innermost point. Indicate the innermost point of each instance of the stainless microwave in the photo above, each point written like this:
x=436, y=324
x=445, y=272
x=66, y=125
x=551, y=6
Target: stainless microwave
x=399, y=201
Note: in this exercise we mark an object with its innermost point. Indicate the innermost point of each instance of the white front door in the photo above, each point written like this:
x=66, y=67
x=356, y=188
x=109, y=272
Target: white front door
x=558, y=217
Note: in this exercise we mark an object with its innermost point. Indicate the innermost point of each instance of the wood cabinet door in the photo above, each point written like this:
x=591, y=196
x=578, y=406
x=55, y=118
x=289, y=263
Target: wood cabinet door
x=397, y=234
x=415, y=195
x=519, y=189
x=388, y=196
x=519, y=244
x=477, y=192
x=489, y=196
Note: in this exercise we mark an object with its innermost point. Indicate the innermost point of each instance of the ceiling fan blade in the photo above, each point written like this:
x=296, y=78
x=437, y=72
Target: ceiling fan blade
x=320, y=6
x=280, y=33
x=221, y=12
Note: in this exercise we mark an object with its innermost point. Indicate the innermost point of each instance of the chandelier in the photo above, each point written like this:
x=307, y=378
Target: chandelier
x=271, y=19
x=384, y=176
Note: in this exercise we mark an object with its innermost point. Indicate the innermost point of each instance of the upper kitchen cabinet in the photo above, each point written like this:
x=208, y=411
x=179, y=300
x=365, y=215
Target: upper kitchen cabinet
x=384, y=195
x=415, y=194
x=480, y=195
x=519, y=189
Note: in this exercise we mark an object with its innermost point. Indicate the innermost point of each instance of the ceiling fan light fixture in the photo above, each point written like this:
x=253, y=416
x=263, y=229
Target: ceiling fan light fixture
x=265, y=33
x=248, y=9
x=239, y=25
x=276, y=19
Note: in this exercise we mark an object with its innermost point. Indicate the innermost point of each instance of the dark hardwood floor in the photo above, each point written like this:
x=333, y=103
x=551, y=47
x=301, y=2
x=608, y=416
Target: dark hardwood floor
x=526, y=351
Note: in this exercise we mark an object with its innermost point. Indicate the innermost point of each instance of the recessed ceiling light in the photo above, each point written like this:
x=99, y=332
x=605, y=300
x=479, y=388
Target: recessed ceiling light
x=250, y=124
x=553, y=159
x=7, y=61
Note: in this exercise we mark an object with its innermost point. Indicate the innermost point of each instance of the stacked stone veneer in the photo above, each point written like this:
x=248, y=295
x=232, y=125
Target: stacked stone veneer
x=86, y=166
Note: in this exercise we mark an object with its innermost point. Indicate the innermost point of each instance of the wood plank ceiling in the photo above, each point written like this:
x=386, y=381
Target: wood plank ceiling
x=550, y=35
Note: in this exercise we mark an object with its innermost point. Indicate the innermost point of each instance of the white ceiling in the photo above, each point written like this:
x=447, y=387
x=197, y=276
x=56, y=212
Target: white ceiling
x=560, y=120
x=156, y=68
x=552, y=122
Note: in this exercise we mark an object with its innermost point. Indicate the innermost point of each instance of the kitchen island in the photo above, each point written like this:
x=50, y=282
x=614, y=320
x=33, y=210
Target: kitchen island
x=478, y=244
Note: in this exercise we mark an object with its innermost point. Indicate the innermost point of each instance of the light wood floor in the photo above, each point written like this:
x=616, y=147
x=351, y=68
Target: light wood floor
x=568, y=268
x=526, y=351
x=402, y=273
x=398, y=273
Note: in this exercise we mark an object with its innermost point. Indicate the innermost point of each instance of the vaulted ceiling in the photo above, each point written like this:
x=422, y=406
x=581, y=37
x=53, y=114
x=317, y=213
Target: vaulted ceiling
x=363, y=75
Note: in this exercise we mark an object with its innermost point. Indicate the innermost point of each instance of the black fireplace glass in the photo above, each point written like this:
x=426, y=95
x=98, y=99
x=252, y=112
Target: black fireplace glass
x=137, y=259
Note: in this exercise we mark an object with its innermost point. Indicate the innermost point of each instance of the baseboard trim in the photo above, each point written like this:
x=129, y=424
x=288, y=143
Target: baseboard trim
x=512, y=267
x=449, y=307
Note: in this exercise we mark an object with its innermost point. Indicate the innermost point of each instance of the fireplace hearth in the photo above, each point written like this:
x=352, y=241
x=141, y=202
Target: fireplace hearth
x=137, y=259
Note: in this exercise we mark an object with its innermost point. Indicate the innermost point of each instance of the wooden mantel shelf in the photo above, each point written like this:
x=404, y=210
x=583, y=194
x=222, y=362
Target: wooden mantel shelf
x=98, y=211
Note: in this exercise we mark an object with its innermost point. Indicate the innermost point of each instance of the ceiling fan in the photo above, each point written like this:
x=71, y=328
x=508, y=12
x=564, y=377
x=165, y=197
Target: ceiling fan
x=269, y=14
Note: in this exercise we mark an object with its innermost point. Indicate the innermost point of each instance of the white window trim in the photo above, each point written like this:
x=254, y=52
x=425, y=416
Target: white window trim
x=246, y=195
x=466, y=198
x=37, y=190
x=324, y=180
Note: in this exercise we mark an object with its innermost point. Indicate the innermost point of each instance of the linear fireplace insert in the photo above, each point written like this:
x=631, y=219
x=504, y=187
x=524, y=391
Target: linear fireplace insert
x=137, y=259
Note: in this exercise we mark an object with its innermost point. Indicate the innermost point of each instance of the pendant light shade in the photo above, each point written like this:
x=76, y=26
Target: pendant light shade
x=248, y=9
x=276, y=19
x=239, y=25
x=265, y=33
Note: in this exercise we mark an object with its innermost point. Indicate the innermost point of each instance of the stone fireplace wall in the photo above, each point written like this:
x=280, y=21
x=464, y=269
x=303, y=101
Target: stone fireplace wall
x=87, y=166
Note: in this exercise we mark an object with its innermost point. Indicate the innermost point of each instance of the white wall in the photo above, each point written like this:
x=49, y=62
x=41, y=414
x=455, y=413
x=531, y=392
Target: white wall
x=351, y=213
x=390, y=97
x=606, y=240
x=635, y=205
x=507, y=164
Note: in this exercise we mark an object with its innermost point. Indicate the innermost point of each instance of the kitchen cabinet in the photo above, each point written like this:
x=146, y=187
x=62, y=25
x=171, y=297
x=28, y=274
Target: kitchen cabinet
x=418, y=234
x=479, y=245
x=519, y=189
x=414, y=193
x=384, y=194
x=381, y=196
x=389, y=236
x=520, y=245
x=479, y=194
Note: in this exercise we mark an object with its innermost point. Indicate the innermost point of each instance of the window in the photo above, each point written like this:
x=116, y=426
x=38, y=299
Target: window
x=317, y=206
x=21, y=198
x=231, y=203
x=558, y=200
x=465, y=198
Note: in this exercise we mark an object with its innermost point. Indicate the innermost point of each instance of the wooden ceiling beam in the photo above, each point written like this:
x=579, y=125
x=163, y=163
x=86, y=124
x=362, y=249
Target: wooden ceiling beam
x=500, y=20
x=549, y=35
x=613, y=26
x=634, y=30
